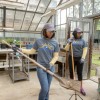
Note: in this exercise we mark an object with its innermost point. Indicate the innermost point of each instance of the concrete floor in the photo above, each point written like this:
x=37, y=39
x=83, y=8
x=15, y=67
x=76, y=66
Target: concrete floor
x=29, y=90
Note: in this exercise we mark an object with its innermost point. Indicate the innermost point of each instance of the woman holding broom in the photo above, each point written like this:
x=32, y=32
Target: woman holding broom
x=79, y=51
x=47, y=54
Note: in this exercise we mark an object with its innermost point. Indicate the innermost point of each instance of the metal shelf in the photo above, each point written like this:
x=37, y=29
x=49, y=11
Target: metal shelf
x=17, y=71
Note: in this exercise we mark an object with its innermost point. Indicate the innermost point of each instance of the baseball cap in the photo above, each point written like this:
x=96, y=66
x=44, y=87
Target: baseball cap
x=49, y=27
x=78, y=30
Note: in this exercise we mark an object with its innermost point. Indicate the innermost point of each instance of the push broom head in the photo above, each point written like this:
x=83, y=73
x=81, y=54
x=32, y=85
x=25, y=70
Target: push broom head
x=70, y=84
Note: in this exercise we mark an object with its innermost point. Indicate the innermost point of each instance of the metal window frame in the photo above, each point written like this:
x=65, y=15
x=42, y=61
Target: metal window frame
x=44, y=12
x=24, y=14
x=34, y=15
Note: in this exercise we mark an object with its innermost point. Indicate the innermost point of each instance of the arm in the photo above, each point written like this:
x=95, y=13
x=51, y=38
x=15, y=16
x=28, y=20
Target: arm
x=32, y=50
x=66, y=48
x=28, y=51
x=84, y=52
x=55, y=58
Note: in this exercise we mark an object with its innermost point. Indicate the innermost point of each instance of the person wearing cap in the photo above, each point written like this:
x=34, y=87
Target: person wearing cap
x=79, y=53
x=47, y=54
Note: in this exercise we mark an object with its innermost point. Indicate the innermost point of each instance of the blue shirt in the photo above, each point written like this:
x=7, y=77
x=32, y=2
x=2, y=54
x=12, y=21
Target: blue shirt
x=45, y=48
x=78, y=46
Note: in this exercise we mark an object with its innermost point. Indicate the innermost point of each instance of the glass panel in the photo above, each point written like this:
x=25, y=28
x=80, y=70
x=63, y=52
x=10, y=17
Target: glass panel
x=33, y=5
x=25, y=4
x=37, y=18
x=53, y=4
x=97, y=24
x=43, y=21
x=86, y=36
x=10, y=0
x=96, y=5
x=58, y=17
x=76, y=11
x=22, y=36
x=37, y=36
x=73, y=25
x=9, y=34
x=79, y=25
x=52, y=20
x=62, y=35
x=63, y=16
x=42, y=6
x=9, y=18
x=70, y=12
x=18, y=20
x=1, y=17
x=57, y=35
x=33, y=27
x=1, y=34
x=86, y=27
x=27, y=21
x=63, y=1
x=87, y=7
x=40, y=26
x=17, y=7
x=35, y=21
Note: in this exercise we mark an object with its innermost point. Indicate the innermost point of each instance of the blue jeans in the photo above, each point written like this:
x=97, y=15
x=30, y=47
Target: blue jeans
x=45, y=81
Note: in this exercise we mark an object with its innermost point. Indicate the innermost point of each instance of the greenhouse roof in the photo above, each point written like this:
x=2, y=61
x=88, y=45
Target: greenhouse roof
x=25, y=15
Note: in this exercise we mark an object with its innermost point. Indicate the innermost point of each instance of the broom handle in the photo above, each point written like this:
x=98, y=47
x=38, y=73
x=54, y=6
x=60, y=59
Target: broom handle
x=72, y=61
x=39, y=65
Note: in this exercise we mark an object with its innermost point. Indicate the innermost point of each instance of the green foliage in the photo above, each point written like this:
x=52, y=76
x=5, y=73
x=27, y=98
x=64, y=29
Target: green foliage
x=93, y=72
x=10, y=40
x=95, y=59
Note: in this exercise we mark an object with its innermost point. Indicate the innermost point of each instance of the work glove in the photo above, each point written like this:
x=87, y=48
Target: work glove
x=82, y=60
x=70, y=40
x=15, y=48
x=49, y=66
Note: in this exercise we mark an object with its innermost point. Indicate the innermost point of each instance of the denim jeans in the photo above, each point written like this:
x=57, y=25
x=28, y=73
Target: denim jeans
x=45, y=81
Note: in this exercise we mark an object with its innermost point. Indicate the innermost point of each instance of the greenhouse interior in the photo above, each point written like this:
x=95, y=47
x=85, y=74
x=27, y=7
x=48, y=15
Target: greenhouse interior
x=49, y=49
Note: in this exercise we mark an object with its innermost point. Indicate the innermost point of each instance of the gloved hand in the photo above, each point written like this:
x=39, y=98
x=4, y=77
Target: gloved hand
x=48, y=66
x=15, y=48
x=82, y=60
x=70, y=40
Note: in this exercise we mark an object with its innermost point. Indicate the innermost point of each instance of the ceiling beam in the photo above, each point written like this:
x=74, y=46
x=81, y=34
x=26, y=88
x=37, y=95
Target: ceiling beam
x=22, y=31
x=34, y=15
x=24, y=15
x=44, y=12
x=22, y=10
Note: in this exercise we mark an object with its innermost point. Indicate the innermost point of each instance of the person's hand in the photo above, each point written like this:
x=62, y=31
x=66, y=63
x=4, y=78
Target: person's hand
x=49, y=66
x=82, y=60
x=15, y=48
x=70, y=40
x=63, y=49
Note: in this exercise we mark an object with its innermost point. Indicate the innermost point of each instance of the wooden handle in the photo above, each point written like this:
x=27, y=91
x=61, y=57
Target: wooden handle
x=72, y=61
x=40, y=66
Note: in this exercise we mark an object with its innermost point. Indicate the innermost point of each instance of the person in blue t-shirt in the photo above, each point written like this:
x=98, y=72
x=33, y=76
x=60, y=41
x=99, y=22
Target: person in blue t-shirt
x=79, y=53
x=47, y=54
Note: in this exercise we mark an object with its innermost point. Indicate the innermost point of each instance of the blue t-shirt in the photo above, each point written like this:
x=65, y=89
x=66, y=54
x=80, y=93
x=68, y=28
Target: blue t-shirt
x=45, y=48
x=78, y=46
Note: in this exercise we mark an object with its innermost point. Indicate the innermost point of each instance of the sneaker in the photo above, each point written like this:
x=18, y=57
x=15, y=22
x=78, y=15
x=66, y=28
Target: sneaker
x=82, y=92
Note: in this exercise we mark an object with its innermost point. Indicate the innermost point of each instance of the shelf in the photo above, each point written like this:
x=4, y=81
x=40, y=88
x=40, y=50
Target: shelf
x=16, y=69
x=18, y=75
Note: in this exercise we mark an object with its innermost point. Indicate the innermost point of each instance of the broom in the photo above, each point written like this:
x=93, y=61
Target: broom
x=63, y=82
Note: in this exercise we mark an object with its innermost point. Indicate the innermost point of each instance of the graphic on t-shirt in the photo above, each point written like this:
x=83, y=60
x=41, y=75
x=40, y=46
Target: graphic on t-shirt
x=46, y=46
